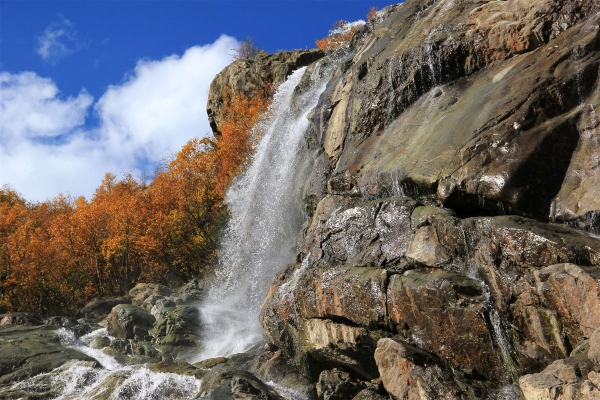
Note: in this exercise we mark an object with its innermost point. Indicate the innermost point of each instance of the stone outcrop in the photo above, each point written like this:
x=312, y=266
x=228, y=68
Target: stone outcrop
x=445, y=250
x=250, y=75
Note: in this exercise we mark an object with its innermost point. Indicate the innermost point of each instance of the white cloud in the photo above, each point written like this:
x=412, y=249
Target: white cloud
x=31, y=108
x=59, y=40
x=45, y=149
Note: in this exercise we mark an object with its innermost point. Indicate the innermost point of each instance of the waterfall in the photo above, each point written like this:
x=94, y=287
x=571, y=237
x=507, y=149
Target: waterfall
x=265, y=219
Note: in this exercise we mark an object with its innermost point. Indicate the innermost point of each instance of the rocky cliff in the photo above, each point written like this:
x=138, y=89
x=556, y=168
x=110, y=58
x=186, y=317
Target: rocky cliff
x=449, y=249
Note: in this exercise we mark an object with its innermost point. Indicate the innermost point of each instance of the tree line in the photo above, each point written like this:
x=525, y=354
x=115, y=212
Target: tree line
x=57, y=255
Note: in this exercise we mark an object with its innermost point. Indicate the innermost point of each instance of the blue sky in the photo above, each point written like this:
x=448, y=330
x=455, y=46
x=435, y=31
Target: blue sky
x=89, y=87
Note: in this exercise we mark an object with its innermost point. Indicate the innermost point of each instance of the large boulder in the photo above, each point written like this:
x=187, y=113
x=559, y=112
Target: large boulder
x=127, y=321
x=177, y=326
x=99, y=307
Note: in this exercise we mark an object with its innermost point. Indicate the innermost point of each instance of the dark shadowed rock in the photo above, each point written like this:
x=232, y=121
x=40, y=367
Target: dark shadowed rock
x=19, y=318
x=98, y=308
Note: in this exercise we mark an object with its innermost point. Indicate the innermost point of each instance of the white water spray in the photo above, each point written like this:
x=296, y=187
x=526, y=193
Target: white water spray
x=266, y=216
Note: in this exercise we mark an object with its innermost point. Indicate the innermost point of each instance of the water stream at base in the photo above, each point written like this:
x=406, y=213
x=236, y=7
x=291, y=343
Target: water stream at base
x=266, y=217
x=114, y=381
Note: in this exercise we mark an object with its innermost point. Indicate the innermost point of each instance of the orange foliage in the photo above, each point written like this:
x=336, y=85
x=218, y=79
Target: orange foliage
x=56, y=255
x=372, y=12
x=339, y=35
x=234, y=146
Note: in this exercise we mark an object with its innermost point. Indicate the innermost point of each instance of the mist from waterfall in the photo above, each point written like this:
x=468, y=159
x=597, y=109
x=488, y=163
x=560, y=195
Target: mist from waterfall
x=265, y=219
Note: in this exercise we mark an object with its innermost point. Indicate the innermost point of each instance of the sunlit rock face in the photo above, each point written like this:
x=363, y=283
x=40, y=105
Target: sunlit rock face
x=447, y=246
x=250, y=75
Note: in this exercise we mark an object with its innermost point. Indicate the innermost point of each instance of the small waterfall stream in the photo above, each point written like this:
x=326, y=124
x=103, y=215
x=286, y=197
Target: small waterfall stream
x=113, y=381
x=266, y=216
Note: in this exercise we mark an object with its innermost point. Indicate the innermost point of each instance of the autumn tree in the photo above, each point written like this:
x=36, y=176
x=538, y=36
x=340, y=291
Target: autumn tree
x=372, y=13
x=57, y=255
x=339, y=36
x=240, y=114
x=246, y=49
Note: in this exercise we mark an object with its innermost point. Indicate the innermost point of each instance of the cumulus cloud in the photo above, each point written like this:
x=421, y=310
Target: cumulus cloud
x=46, y=148
x=32, y=109
x=59, y=40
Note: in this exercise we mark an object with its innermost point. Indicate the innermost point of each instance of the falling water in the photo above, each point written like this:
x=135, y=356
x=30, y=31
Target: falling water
x=495, y=320
x=266, y=216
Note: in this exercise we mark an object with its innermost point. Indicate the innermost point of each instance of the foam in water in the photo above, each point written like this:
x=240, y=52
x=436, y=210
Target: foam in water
x=68, y=338
x=266, y=216
x=86, y=380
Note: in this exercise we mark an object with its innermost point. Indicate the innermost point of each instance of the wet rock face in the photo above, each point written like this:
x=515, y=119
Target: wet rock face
x=400, y=118
x=27, y=350
x=448, y=138
x=485, y=295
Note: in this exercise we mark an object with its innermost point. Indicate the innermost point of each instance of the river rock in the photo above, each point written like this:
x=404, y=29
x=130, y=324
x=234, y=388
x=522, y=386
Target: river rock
x=177, y=326
x=27, y=350
x=98, y=308
x=337, y=385
x=127, y=321
x=230, y=383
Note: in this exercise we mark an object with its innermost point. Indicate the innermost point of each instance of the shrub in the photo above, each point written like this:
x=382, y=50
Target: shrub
x=246, y=49
x=339, y=35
